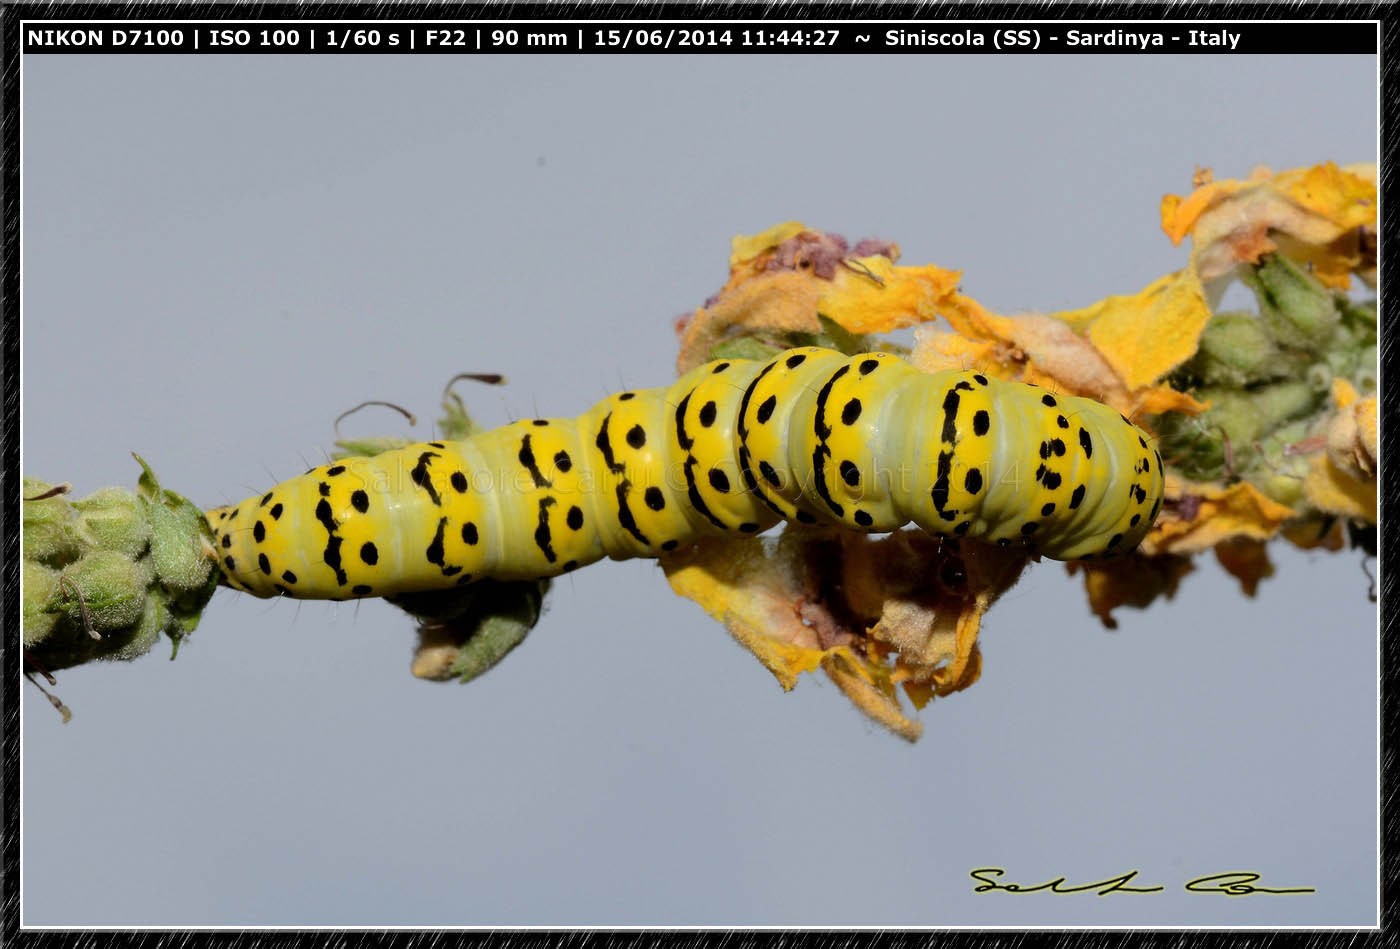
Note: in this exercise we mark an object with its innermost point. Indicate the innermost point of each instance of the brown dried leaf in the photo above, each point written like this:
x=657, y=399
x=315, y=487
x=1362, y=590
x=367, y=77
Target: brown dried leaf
x=1247, y=560
x=1136, y=580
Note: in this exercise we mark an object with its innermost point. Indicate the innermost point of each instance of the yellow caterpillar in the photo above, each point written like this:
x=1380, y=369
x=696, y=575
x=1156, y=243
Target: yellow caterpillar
x=866, y=442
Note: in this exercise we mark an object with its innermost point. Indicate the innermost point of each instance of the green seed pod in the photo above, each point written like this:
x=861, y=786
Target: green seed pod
x=50, y=527
x=112, y=588
x=1299, y=311
x=114, y=519
x=41, y=613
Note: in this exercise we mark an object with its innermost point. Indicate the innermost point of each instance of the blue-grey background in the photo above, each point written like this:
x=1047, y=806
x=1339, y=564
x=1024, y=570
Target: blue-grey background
x=222, y=254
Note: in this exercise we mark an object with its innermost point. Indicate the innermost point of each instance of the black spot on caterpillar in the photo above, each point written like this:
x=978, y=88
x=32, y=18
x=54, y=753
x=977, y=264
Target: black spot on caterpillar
x=735, y=447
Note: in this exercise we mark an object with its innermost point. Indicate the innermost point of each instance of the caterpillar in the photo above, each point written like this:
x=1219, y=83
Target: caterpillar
x=866, y=442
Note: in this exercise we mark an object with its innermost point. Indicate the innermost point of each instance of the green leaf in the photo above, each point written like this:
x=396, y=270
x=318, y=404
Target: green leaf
x=842, y=339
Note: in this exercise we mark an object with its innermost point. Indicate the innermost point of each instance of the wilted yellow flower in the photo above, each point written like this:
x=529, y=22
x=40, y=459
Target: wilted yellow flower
x=1342, y=480
x=1323, y=210
x=781, y=279
x=875, y=615
x=1055, y=351
x=1197, y=516
x=878, y=616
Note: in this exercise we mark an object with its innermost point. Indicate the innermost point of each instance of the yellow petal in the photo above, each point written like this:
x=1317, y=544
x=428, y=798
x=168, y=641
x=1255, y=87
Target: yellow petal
x=747, y=581
x=1346, y=198
x=935, y=643
x=1179, y=215
x=1315, y=211
x=1158, y=400
x=1343, y=481
x=785, y=660
x=1367, y=425
x=1217, y=513
x=1330, y=489
x=1145, y=335
x=966, y=666
x=1343, y=393
x=883, y=617
x=969, y=318
x=1351, y=440
x=866, y=695
x=1050, y=351
x=872, y=295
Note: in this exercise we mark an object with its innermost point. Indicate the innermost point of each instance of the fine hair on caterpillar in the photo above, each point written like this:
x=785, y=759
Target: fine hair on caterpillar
x=866, y=443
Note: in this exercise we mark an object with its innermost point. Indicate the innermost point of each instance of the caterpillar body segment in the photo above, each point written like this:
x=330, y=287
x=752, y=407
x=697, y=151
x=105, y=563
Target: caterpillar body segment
x=866, y=442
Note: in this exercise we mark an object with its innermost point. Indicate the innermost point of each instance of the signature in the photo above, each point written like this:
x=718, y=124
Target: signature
x=1237, y=883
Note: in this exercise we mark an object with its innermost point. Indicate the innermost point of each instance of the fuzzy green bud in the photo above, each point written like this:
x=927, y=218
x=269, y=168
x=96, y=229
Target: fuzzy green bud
x=1276, y=472
x=105, y=588
x=1237, y=419
x=176, y=551
x=114, y=519
x=1236, y=350
x=1282, y=402
x=155, y=619
x=50, y=526
x=179, y=534
x=1299, y=311
x=133, y=566
x=40, y=590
